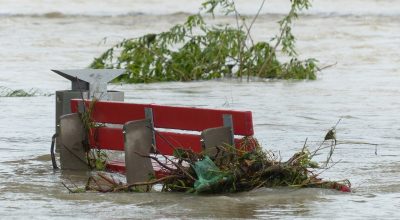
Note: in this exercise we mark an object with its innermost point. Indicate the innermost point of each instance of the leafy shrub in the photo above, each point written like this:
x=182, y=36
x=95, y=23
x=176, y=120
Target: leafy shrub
x=197, y=51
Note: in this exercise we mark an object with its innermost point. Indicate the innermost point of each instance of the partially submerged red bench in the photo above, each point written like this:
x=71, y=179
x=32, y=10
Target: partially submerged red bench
x=168, y=125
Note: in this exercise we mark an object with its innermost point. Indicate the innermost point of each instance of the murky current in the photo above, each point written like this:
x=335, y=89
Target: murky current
x=363, y=89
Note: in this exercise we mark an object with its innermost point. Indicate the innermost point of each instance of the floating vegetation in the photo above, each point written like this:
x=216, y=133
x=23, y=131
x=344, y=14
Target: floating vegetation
x=195, y=50
x=229, y=170
x=7, y=92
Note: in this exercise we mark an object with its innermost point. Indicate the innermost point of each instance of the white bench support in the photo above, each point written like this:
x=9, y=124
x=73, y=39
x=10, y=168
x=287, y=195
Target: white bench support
x=72, y=135
x=138, y=137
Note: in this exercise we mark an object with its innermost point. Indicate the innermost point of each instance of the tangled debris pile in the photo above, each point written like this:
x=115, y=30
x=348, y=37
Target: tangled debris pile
x=230, y=170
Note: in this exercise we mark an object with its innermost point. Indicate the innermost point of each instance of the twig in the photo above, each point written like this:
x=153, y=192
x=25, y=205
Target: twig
x=153, y=181
x=162, y=137
x=323, y=142
x=107, y=179
x=79, y=159
x=254, y=19
x=179, y=167
x=81, y=92
x=304, y=146
x=327, y=168
x=337, y=123
x=87, y=186
x=73, y=183
x=155, y=159
x=71, y=191
x=278, y=42
x=326, y=67
x=329, y=158
x=98, y=185
x=173, y=147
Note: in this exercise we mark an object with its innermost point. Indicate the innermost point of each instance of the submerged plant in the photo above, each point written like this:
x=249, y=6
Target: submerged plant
x=7, y=92
x=96, y=158
x=195, y=50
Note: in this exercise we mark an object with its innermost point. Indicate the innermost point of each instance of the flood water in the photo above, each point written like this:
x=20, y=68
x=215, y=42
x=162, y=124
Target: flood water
x=363, y=89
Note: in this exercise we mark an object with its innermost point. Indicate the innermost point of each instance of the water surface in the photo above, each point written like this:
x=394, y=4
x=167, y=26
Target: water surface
x=363, y=89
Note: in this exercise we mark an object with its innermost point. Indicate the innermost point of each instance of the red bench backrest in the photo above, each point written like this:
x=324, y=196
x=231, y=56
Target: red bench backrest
x=166, y=117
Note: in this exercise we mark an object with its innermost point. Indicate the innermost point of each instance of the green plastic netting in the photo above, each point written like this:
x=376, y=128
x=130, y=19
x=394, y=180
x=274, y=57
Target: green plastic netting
x=210, y=177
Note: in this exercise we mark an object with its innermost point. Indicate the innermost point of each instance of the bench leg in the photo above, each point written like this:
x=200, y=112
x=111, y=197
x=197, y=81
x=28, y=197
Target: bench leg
x=72, y=153
x=138, y=141
x=215, y=137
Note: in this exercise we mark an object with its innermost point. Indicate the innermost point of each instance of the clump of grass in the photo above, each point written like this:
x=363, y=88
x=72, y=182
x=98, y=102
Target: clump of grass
x=96, y=158
x=7, y=92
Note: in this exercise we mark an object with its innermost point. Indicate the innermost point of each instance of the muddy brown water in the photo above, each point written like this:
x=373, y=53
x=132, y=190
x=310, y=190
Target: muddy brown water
x=363, y=89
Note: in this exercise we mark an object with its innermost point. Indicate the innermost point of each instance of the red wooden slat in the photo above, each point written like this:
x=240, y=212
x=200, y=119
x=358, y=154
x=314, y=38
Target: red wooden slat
x=198, y=119
x=107, y=138
x=113, y=139
x=184, y=118
x=114, y=112
x=167, y=141
x=116, y=166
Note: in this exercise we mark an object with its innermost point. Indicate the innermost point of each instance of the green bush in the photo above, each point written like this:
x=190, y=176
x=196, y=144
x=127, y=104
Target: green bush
x=197, y=51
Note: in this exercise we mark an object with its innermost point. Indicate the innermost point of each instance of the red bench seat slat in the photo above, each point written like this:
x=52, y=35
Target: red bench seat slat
x=113, y=112
x=198, y=119
x=183, y=118
x=107, y=138
x=113, y=139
